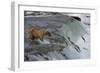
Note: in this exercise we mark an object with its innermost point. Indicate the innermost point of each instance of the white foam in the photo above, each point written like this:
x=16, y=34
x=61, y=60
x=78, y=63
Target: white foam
x=44, y=42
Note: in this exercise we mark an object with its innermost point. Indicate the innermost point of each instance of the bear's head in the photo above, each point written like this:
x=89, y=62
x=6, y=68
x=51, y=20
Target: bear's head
x=48, y=33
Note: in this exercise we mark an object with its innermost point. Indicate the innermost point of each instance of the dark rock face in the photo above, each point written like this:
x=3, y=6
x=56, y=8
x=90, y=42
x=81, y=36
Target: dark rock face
x=77, y=18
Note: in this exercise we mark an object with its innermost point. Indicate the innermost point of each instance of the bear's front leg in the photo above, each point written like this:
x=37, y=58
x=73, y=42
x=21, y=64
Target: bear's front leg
x=41, y=38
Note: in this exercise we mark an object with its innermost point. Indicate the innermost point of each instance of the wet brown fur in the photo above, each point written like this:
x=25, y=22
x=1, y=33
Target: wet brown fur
x=37, y=33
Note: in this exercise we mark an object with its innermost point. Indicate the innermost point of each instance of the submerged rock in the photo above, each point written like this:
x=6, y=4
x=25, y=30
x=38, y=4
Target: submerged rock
x=45, y=48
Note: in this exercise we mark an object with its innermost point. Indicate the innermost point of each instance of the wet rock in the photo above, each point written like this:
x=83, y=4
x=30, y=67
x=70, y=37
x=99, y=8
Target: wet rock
x=45, y=48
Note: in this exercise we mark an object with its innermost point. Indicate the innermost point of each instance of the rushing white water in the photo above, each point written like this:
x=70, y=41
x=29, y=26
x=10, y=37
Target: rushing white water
x=71, y=28
x=44, y=41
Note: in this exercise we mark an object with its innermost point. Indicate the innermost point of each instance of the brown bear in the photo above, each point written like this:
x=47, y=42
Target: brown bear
x=38, y=33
